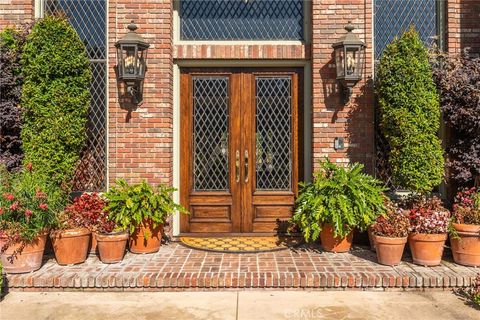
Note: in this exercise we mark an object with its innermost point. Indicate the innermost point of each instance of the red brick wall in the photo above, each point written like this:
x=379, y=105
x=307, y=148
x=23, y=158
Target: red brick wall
x=13, y=12
x=140, y=139
x=463, y=25
x=354, y=121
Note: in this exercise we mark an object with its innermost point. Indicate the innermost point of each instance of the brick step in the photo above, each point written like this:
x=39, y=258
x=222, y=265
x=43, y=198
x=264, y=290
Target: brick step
x=176, y=268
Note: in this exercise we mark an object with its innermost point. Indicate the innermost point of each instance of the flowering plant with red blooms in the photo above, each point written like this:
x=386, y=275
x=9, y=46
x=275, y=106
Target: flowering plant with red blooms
x=466, y=208
x=28, y=203
x=88, y=211
x=427, y=215
x=394, y=224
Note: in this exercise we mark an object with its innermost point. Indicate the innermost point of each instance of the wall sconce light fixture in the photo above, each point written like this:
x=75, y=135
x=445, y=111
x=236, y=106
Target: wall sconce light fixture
x=349, y=54
x=132, y=62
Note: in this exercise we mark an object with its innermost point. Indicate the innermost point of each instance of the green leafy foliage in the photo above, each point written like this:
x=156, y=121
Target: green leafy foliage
x=55, y=98
x=131, y=205
x=343, y=197
x=410, y=114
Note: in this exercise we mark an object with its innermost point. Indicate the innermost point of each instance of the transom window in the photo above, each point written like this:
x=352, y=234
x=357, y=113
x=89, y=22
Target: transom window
x=241, y=19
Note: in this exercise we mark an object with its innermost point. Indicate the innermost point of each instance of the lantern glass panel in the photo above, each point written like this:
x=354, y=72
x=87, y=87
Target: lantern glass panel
x=352, y=61
x=129, y=60
x=142, y=58
x=340, y=61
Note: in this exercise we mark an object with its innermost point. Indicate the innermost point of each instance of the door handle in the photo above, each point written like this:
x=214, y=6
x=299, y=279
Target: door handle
x=246, y=166
x=237, y=166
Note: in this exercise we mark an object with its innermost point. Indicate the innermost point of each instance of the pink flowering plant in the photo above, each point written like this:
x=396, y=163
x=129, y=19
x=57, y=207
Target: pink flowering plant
x=427, y=215
x=466, y=208
x=28, y=203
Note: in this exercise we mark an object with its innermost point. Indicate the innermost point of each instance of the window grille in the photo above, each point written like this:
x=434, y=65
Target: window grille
x=393, y=17
x=89, y=19
x=241, y=19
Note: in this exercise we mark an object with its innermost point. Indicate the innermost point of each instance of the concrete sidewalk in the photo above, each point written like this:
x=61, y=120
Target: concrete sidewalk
x=247, y=305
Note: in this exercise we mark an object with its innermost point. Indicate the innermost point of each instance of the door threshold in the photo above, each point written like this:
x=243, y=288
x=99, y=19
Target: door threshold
x=234, y=234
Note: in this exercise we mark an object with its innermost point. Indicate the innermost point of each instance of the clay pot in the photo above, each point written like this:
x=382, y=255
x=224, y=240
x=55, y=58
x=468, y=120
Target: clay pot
x=427, y=249
x=29, y=260
x=466, y=247
x=138, y=243
x=71, y=245
x=389, y=250
x=331, y=244
x=371, y=239
x=111, y=246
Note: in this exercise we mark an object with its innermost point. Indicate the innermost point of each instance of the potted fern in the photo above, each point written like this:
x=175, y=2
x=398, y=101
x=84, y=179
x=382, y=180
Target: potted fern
x=142, y=210
x=339, y=200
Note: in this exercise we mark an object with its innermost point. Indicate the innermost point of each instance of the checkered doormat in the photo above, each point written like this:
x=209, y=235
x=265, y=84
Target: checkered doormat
x=240, y=244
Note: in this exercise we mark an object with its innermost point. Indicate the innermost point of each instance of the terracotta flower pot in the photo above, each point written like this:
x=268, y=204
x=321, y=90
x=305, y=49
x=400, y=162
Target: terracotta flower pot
x=145, y=238
x=389, y=250
x=30, y=259
x=111, y=246
x=71, y=245
x=331, y=244
x=427, y=249
x=466, y=248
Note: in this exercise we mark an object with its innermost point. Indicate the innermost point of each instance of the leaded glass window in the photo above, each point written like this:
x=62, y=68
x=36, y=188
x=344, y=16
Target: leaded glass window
x=89, y=19
x=241, y=19
x=273, y=134
x=393, y=17
x=211, y=104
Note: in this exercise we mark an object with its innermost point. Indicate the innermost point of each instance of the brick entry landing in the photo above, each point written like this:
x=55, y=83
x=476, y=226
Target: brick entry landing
x=177, y=268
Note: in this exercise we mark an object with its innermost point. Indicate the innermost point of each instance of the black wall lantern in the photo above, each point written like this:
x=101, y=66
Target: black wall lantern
x=132, y=62
x=349, y=60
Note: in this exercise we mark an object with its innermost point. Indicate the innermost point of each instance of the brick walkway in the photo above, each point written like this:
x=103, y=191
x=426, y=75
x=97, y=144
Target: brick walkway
x=177, y=268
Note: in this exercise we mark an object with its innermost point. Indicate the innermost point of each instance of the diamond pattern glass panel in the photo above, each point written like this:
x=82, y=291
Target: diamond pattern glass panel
x=89, y=19
x=210, y=133
x=241, y=19
x=273, y=133
x=392, y=17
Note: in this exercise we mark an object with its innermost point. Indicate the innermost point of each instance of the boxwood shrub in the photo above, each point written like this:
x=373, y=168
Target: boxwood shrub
x=410, y=114
x=55, y=98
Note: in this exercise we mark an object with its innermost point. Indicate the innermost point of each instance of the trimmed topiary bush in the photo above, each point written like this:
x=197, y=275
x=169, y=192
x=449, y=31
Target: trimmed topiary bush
x=11, y=45
x=410, y=114
x=55, y=98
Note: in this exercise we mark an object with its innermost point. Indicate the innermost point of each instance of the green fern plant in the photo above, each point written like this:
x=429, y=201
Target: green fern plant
x=344, y=197
x=130, y=205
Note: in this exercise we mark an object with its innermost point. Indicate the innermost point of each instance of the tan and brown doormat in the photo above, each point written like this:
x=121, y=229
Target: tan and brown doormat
x=240, y=244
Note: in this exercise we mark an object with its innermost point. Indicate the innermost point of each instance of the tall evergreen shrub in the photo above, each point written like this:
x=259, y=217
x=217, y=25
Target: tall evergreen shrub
x=55, y=98
x=410, y=114
x=11, y=45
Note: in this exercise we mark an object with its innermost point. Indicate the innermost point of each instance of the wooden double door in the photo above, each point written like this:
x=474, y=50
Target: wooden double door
x=239, y=149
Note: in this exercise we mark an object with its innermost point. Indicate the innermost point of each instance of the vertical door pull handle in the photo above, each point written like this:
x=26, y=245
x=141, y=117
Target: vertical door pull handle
x=246, y=166
x=237, y=166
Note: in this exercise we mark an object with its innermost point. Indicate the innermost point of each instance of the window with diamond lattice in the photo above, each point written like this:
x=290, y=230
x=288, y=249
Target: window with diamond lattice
x=89, y=19
x=210, y=133
x=392, y=17
x=273, y=133
x=241, y=19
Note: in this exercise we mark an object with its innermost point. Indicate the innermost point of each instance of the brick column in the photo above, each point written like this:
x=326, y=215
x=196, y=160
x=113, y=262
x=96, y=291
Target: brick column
x=463, y=30
x=16, y=12
x=140, y=139
x=354, y=121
